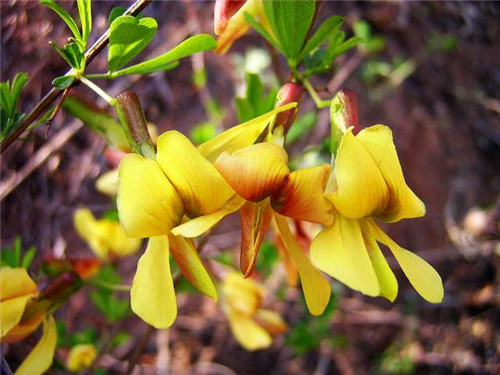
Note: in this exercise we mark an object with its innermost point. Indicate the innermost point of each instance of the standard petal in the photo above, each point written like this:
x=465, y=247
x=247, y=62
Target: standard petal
x=339, y=250
x=316, y=288
x=201, y=187
x=107, y=183
x=187, y=258
x=153, y=295
x=360, y=189
x=386, y=279
x=249, y=334
x=255, y=221
x=42, y=355
x=403, y=203
x=197, y=226
x=255, y=172
x=240, y=136
x=148, y=204
x=421, y=274
x=302, y=196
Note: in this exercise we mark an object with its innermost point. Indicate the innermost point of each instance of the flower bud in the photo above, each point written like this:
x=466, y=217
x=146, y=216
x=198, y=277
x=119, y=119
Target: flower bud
x=223, y=11
x=289, y=93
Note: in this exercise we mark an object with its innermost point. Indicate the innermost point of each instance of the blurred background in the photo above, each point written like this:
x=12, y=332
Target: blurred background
x=429, y=70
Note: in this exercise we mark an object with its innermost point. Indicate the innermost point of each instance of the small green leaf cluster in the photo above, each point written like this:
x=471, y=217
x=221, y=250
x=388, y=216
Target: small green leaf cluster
x=255, y=103
x=113, y=308
x=291, y=23
x=9, y=98
x=12, y=257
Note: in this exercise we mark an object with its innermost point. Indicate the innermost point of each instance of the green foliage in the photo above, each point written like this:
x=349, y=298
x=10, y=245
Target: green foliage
x=255, y=103
x=9, y=98
x=393, y=361
x=203, y=132
x=438, y=42
x=169, y=60
x=267, y=259
x=310, y=331
x=11, y=257
x=111, y=215
x=80, y=38
x=301, y=127
x=128, y=36
x=72, y=54
x=327, y=28
x=290, y=22
x=370, y=43
x=113, y=308
x=63, y=82
x=65, y=339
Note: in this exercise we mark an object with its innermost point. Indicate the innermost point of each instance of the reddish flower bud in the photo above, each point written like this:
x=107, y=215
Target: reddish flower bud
x=223, y=11
x=289, y=93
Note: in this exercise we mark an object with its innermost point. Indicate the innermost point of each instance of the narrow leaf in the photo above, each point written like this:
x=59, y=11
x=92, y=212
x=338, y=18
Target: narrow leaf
x=61, y=12
x=85, y=12
x=321, y=35
x=263, y=32
x=195, y=44
x=63, y=82
x=128, y=37
x=28, y=257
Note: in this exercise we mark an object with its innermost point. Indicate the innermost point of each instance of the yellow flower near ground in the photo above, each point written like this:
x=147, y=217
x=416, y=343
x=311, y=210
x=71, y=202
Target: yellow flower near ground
x=105, y=237
x=367, y=183
x=17, y=290
x=251, y=326
x=81, y=357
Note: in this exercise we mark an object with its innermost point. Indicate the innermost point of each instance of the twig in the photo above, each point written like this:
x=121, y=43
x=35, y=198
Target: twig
x=54, y=93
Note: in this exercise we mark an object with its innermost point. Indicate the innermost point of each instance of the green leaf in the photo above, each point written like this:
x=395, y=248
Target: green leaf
x=203, y=132
x=301, y=127
x=85, y=12
x=5, y=99
x=115, y=13
x=18, y=84
x=290, y=21
x=321, y=35
x=17, y=251
x=63, y=82
x=71, y=53
x=128, y=37
x=344, y=47
x=255, y=103
x=263, y=32
x=28, y=257
x=61, y=12
x=195, y=44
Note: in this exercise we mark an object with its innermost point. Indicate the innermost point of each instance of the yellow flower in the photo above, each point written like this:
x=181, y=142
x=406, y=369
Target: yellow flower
x=230, y=23
x=367, y=183
x=105, y=237
x=81, y=357
x=17, y=290
x=256, y=172
x=251, y=326
x=154, y=195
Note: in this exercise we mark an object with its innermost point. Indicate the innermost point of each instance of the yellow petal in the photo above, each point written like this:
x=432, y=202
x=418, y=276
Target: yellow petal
x=187, y=258
x=107, y=183
x=201, y=187
x=270, y=321
x=120, y=245
x=40, y=358
x=242, y=295
x=302, y=196
x=339, y=250
x=15, y=282
x=403, y=203
x=421, y=274
x=240, y=136
x=197, y=226
x=316, y=288
x=11, y=312
x=148, y=204
x=80, y=357
x=360, y=189
x=255, y=172
x=90, y=230
x=249, y=334
x=386, y=279
x=153, y=295
x=23, y=329
x=255, y=221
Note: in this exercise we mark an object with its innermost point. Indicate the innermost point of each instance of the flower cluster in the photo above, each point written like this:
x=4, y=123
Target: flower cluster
x=183, y=191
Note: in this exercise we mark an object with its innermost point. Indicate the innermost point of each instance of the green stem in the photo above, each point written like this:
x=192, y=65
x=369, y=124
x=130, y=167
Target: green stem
x=314, y=95
x=103, y=94
x=115, y=287
x=99, y=76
